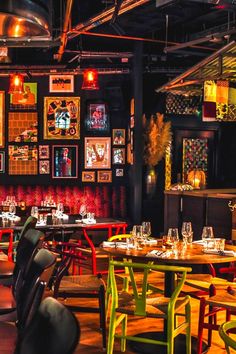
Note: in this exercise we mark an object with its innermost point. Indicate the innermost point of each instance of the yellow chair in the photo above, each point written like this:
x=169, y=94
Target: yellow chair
x=137, y=303
x=229, y=341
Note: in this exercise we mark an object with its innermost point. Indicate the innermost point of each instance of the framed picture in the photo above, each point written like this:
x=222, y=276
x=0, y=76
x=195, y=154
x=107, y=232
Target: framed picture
x=105, y=176
x=61, y=83
x=44, y=167
x=23, y=127
x=119, y=172
x=26, y=100
x=118, y=156
x=118, y=136
x=2, y=161
x=97, y=119
x=88, y=176
x=44, y=151
x=61, y=118
x=22, y=159
x=64, y=161
x=2, y=120
x=97, y=152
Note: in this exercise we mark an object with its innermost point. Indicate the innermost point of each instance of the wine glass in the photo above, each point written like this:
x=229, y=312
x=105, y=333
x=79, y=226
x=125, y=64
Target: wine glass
x=187, y=232
x=12, y=209
x=146, y=229
x=173, y=233
x=82, y=210
x=35, y=211
x=207, y=232
x=60, y=209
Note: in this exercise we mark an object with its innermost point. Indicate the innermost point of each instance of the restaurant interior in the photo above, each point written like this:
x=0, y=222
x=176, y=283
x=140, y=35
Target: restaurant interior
x=117, y=176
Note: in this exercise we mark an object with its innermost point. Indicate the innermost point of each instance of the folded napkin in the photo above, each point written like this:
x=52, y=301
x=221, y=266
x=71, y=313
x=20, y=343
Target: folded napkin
x=228, y=253
x=199, y=242
x=41, y=223
x=14, y=217
x=159, y=254
x=151, y=241
x=88, y=221
x=117, y=244
x=108, y=244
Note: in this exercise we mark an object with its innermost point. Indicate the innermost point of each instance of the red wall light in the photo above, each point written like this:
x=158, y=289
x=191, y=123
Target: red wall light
x=90, y=80
x=16, y=83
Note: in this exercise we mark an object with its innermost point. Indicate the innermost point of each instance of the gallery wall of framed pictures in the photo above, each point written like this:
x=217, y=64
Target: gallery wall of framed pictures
x=55, y=133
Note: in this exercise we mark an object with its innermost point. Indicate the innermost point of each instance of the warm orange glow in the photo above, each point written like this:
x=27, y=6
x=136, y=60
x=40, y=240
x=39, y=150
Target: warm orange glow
x=90, y=80
x=16, y=83
x=197, y=179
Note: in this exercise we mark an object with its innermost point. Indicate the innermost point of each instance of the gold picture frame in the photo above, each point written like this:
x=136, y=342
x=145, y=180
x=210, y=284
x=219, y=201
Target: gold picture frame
x=104, y=176
x=61, y=118
x=88, y=176
x=97, y=152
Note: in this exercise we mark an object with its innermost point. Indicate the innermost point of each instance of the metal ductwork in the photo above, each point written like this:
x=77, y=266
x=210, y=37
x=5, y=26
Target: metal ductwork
x=25, y=18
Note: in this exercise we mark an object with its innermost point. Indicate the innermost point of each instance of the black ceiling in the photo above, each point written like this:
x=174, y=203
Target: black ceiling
x=202, y=25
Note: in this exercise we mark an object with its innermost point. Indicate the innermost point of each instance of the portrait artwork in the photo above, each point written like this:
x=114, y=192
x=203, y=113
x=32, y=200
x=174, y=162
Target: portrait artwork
x=97, y=118
x=65, y=161
x=97, y=152
x=27, y=100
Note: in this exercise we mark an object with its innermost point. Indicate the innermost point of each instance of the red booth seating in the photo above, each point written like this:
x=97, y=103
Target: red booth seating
x=103, y=200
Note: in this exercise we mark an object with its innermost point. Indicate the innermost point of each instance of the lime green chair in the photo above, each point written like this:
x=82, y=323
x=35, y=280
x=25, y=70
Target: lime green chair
x=229, y=342
x=174, y=310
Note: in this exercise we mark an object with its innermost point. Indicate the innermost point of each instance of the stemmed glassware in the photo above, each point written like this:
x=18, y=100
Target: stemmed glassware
x=60, y=209
x=35, y=211
x=146, y=229
x=82, y=210
x=207, y=232
x=187, y=232
x=173, y=233
x=12, y=209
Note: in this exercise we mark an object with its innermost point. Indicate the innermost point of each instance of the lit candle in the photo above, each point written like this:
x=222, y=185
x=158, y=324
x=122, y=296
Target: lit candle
x=196, y=182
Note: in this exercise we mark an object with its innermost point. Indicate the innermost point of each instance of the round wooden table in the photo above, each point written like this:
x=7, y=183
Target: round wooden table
x=194, y=255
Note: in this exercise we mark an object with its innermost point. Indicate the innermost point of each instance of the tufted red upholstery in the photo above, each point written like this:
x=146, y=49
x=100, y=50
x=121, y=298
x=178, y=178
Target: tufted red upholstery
x=104, y=201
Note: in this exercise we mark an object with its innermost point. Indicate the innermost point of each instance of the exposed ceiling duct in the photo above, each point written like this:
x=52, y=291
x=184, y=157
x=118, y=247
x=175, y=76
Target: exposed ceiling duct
x=25, y=18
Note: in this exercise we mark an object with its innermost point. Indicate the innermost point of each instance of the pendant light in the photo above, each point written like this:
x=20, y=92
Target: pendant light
x=90, y=80
x=16, y=83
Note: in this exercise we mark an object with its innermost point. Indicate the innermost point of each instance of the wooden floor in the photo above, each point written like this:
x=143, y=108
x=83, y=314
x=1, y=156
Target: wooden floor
x=90, y=341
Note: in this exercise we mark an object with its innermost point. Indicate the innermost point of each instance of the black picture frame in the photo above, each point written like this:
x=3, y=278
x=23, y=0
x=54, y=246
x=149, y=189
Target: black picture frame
x=64, y=161
x=97, y=117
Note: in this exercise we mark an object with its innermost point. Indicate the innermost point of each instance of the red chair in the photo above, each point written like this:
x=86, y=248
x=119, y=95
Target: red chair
x=7, y=242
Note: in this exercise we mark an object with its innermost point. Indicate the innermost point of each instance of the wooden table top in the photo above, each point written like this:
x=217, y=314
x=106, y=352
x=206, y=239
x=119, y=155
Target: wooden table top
x=194, y=255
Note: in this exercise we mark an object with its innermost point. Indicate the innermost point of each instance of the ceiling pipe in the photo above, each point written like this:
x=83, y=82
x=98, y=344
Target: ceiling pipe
x=65, y=29
x=104, y=17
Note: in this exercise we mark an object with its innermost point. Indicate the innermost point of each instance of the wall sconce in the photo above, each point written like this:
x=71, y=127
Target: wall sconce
x=16, y=83
x=90, y=80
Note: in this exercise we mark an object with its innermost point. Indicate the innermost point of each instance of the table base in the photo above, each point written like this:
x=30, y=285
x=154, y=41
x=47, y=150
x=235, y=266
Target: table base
x=144, y=348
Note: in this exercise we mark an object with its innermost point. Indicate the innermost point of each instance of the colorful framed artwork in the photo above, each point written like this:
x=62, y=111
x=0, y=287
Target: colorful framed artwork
x=97, y=119
x=44, y=151
x=23, y=127
x=44, y=167
x=2, y=161
x=119, y=172
x=26, y=100
x=97, y=152
x=23, y=159
x=118, y=136
x=2, y=118
x=61, y=83
x=64, y=161
x=118, y=156
x=88, y=176
x=61, y=118
x=105, y=176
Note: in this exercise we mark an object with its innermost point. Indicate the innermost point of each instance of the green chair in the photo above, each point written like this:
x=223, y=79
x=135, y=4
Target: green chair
x=229, y=342
x=137, y=303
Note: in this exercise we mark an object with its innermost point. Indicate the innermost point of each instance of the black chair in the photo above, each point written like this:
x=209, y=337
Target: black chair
x=79, y=286
x=28, y=299
x=7, y=267
x=53, y=330
x=22, y=271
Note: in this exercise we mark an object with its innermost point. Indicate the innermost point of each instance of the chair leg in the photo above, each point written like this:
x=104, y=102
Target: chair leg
x=170, y=336
x=210, y=321
x=123, y=332
x=111, y=334
x=101, y=297
x=188, y=330
x=201, y=324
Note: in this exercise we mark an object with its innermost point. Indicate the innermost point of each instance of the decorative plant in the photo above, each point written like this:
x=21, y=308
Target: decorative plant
x=157, y=136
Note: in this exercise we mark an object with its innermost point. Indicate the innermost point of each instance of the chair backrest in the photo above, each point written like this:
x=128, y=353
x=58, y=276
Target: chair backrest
x=30, y=223
x=53, y=330
x=28, y=294
x=119, y=237
x=25, y=254
x=229, y=341
x=139, y=295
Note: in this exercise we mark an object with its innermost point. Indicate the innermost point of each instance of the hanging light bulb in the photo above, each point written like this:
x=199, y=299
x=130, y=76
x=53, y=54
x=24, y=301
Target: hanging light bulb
x=90, y=80
x=16, y=83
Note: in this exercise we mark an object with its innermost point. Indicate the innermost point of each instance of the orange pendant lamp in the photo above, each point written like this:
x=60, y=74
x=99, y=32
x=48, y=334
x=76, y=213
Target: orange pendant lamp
x=16, y=83
x=90, y=80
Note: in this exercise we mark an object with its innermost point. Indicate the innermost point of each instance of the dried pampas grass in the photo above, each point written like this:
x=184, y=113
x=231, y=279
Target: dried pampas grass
x=157, y=136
